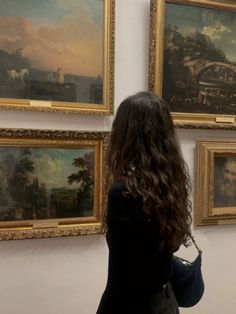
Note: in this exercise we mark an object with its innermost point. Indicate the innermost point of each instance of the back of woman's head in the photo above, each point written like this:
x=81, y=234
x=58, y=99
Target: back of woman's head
x=145, y=155
x=142, y=124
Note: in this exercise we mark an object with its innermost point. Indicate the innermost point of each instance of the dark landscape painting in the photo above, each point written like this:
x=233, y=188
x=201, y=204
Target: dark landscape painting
x=200, y=59
x=46, y=183
x=52, y=50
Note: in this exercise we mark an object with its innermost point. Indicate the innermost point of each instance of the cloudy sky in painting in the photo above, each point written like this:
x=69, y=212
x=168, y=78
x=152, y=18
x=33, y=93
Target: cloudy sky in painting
x=219, y=25
x=55, y=33
x=52, y=165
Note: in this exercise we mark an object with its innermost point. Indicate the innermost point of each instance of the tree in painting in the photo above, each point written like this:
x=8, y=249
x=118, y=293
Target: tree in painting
x=84, y=178
x=30, y=198
x=19, y=181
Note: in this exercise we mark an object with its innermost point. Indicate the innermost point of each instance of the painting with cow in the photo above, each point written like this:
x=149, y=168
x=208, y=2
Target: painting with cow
x=55, y=51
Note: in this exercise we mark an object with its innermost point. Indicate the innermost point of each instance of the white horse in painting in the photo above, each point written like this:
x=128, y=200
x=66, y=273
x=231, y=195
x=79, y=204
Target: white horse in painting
x=13, y=75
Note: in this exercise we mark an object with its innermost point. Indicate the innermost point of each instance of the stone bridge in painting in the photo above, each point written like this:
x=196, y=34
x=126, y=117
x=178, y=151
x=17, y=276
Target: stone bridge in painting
x=199, y=66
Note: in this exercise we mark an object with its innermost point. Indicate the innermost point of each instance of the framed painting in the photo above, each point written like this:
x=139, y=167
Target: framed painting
x=57, y=55
x=192, y=61
x=52, y=183
x=215, y=189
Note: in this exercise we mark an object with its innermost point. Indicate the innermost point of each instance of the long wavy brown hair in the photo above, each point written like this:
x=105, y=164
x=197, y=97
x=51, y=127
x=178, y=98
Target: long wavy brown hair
x=145, y=155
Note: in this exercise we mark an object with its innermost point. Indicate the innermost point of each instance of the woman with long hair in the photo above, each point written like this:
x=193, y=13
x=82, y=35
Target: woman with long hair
x=148, y=214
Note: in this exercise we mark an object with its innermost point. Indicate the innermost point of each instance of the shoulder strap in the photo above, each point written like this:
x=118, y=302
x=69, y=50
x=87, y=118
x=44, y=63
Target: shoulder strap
x=195, y=244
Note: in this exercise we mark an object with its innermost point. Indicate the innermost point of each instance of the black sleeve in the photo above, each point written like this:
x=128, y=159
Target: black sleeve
x=128, y=228
x=123, y=207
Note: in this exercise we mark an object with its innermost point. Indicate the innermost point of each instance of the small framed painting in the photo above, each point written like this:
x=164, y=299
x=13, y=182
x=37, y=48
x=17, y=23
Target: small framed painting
x=215, y=190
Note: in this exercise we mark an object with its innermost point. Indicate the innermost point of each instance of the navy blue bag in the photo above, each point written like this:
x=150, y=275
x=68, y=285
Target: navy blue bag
x=187, y=280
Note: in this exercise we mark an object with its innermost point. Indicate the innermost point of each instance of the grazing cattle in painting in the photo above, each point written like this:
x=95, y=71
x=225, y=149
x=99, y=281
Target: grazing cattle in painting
x=56, y=77
x=21, y=75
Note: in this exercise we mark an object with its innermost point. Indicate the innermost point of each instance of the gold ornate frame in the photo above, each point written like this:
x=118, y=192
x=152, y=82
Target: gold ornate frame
x=44, y=228
x=107, y=107
x=156, y=54
x=206, y=213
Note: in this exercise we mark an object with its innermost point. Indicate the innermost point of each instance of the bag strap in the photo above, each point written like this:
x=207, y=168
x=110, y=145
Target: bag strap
x=195, y=244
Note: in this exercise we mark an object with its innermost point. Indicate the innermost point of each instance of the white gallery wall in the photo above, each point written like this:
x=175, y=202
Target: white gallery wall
x=68, y=275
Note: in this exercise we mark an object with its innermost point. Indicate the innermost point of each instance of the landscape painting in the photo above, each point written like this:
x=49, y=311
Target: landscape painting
x=46, y=183
x=199, y=73
x=192, y=61
x=55, y=52
x=52, y=180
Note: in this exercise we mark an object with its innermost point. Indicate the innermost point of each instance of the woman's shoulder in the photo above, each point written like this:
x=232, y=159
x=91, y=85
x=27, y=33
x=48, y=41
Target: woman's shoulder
x=117, y=190
x=123, y=205
x=118, y=186
x=119, y=194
